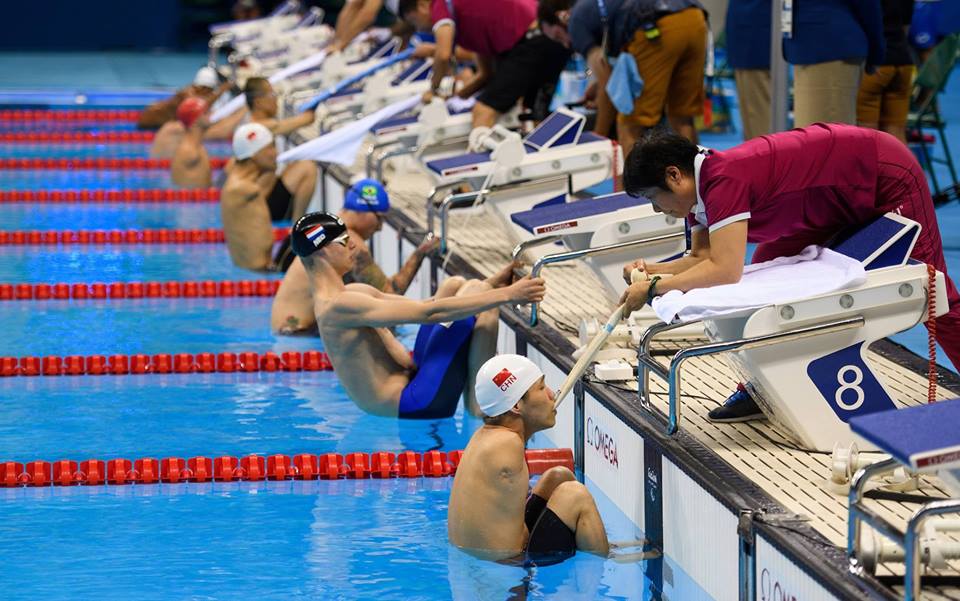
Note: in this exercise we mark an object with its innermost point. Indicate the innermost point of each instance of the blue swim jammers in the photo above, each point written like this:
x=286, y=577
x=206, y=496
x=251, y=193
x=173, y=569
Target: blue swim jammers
x=441, y=355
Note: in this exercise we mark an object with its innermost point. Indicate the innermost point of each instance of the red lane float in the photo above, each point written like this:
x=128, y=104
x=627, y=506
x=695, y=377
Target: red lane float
x=140, y=195
x=69, y=115
x=254, y=468
x=125, y=290
x=149, y=236
x=115, y=164
x=164, y=363
x=60, y=137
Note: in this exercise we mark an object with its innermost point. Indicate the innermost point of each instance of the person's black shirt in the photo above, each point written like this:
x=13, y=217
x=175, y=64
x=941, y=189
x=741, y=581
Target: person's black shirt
x=897, y=15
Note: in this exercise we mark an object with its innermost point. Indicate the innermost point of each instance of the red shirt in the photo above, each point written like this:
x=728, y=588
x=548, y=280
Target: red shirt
x=814, y=179
x=489, y=27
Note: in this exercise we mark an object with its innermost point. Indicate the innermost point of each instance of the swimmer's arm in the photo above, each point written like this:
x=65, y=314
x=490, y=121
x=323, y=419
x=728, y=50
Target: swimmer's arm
x=397, y=351
x=368, y=272
x=401, y=280
x=223, y=129
x=354, y=309
x=355, y=17
x=283, y=127
x=723, y=263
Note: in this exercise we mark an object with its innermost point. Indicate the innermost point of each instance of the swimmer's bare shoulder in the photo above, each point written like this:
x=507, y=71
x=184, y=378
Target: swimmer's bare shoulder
x=236, y=188
x=501, y=454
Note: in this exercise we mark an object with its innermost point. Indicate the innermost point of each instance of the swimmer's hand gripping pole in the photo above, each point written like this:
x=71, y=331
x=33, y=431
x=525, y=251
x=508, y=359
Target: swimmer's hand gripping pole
x=594, y=347
x=346, y=83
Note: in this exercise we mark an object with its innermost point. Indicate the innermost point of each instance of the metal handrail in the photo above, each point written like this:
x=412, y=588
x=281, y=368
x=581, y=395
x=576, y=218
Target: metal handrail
x=404, y=150
x=570, y=255
x=372, y=150
x=462, y=200
x=527, y=244
x=674, y=379
x=647, y=363
x=908, y=539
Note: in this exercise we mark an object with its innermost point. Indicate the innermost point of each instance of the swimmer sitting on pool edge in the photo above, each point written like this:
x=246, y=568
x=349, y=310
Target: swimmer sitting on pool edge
x=458, y=331
x=491, y=514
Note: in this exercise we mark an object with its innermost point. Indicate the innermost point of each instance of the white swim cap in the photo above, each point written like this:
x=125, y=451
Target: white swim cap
x=501, y=382
x=249, y=139
x=206, y=77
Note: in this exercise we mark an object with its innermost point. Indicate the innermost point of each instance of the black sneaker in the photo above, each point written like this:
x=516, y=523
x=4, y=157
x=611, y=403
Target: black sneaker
x=739, y=407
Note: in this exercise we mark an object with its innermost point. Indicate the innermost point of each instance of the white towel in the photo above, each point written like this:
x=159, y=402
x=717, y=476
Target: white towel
x=456, y=104
x=341, y=145
x=814, y=271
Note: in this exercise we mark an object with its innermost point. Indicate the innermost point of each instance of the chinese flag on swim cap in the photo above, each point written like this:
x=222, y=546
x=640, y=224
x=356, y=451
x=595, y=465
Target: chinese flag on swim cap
x=502, y=381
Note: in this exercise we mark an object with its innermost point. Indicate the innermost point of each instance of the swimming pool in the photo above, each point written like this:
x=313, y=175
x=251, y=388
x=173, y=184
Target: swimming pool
x=346, y=539
x=103, y=179
x=90, y=149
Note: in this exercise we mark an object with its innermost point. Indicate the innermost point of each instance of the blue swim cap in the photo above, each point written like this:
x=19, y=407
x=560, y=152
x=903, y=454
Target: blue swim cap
x=367, y=196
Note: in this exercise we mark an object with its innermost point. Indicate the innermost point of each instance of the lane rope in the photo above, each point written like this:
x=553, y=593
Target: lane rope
x=77, y=136
x=132, y=236
x=252, y=468
x=164, y=363
x=126, y=195
x=69, y=115
x=116, y=164
x=135, y=290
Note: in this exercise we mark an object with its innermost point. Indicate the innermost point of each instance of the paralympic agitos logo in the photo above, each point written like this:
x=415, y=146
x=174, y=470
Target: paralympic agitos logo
x=604, y=444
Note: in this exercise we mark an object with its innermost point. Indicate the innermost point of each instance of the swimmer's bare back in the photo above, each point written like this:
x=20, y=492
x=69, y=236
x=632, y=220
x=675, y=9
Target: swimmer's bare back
x=190, y=165
x=246, y=220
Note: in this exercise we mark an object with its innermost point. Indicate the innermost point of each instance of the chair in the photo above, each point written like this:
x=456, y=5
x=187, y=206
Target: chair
x=925, y=113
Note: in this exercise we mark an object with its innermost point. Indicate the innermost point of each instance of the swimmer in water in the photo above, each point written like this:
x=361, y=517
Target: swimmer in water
x=493, y=514
x=364, y=206
x=458, y=331
x=162, y=115
x=244, y=201
x=190, y=165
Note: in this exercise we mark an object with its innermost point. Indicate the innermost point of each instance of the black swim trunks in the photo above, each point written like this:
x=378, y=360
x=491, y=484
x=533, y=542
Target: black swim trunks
x=283, y=256
x=551, y=541
x=280, y=202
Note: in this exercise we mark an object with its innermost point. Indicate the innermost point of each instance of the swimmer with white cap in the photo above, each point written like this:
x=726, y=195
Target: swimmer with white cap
x=493, y=514
x=458, y=329
x=365, y=205
x=190, y=165
x=244, y=209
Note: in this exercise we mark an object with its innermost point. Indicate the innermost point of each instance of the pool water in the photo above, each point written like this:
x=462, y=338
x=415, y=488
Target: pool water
x=345, y=539
x=23, y=150
x=108, y=216
x=103, y=179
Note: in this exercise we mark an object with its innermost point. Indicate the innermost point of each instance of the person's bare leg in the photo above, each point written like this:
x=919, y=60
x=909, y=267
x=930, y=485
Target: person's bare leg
x=300, y=178
x=550, y=480
x=684, y=127
x=484, y=115
x=628, y=134
x=483, y=343
x=575, y=507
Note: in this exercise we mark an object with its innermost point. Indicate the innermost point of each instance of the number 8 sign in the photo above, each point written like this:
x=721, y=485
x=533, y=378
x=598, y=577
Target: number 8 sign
x=848, y=384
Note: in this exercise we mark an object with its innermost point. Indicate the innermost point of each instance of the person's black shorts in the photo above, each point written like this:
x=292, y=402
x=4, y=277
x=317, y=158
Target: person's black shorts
x=283, y=256
x=280, y=202
x=551, y=541
x=523, y=71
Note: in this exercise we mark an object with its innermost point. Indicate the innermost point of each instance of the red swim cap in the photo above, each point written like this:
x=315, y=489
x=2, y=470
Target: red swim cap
x=190, y=110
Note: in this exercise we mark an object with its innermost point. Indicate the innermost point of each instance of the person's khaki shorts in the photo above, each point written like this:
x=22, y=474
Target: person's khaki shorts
x=672, y=68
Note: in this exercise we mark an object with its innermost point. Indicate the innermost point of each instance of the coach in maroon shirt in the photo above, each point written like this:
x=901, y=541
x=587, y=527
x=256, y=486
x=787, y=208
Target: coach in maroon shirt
x=514, y=59
x=783, y=191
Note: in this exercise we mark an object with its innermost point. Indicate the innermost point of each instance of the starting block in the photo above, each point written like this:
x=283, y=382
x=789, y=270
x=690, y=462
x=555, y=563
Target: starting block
x=924, y=439
x=559, y=145
x=607, y=232
x=817, y=376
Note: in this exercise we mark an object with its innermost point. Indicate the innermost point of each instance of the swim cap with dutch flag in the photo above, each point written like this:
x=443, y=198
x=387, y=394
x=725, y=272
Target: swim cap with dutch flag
x=502, y=381
x=313, y=231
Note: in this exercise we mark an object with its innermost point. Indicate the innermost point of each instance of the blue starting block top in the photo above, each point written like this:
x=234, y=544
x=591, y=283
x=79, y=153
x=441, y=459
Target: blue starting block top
x=353, y=91
x=569, y=213
x=926, y=437
x=471, y=161
x=418, y=70
x=885, y=242
x=395, y=123
x=559, y=129
x=388, y=48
